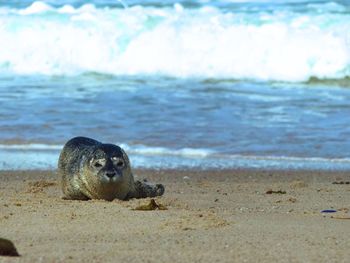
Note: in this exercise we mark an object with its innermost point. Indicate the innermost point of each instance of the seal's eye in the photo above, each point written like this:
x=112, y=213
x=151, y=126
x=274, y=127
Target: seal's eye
x=118, y=162
x=99, y=163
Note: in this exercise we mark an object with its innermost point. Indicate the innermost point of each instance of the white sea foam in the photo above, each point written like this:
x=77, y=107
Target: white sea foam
x=35, y=8
x=205, y=42
x=185, y=152
x=43, y=156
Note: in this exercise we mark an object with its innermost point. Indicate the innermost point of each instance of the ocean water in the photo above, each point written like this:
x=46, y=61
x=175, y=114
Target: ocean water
x=197, y=84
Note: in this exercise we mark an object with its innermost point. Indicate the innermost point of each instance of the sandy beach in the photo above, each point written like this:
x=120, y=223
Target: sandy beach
x=211, y=216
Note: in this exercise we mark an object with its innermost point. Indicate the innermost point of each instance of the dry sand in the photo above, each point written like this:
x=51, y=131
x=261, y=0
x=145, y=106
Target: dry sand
x=212, y=216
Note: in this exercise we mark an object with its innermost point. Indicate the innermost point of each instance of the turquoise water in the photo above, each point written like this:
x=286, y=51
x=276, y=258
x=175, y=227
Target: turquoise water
x=185, y=84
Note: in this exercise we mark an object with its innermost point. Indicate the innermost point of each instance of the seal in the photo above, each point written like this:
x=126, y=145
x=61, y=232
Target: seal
x=90, y=169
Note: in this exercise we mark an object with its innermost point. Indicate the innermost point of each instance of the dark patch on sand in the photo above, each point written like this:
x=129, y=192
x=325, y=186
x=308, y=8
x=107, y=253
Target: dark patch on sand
x=7, y=248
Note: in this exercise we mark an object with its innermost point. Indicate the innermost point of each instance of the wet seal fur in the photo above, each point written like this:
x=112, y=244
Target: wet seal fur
x=93, y=170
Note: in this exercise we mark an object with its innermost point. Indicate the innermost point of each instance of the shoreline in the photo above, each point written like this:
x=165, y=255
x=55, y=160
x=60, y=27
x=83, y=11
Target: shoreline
x=213, y=215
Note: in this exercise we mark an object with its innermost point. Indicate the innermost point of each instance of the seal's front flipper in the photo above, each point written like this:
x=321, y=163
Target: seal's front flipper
x=143, y=189
x=75, y=197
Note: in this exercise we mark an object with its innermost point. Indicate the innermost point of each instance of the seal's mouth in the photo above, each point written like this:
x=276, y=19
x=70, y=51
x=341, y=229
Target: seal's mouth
x=112, y=177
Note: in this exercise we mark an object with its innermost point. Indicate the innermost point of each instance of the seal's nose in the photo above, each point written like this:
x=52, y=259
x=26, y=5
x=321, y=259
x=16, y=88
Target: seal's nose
x=110, y=174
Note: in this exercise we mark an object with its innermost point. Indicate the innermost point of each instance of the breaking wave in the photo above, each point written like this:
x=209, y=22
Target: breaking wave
x=206, y=42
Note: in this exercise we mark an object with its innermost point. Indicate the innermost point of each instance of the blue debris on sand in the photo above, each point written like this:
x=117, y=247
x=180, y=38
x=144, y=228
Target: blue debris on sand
x=329, y=211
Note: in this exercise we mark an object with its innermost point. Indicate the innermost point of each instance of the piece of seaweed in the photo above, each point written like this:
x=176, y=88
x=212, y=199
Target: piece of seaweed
x=341, y=182
x=152, y=205
x=276, y=192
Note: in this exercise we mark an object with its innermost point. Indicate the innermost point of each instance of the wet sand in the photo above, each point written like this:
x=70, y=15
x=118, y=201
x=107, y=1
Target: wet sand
x=212, y=216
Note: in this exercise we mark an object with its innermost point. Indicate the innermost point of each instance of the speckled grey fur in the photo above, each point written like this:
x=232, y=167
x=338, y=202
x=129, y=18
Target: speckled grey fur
x=93, y=170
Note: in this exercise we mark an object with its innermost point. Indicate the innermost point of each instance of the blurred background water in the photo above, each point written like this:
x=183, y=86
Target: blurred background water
x=178, y=84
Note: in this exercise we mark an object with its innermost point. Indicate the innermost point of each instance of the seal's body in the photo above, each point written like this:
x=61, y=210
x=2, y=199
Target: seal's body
x=93, y=170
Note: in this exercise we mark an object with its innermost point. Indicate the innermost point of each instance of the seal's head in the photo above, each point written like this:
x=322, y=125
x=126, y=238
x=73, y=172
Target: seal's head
x=109, y=172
